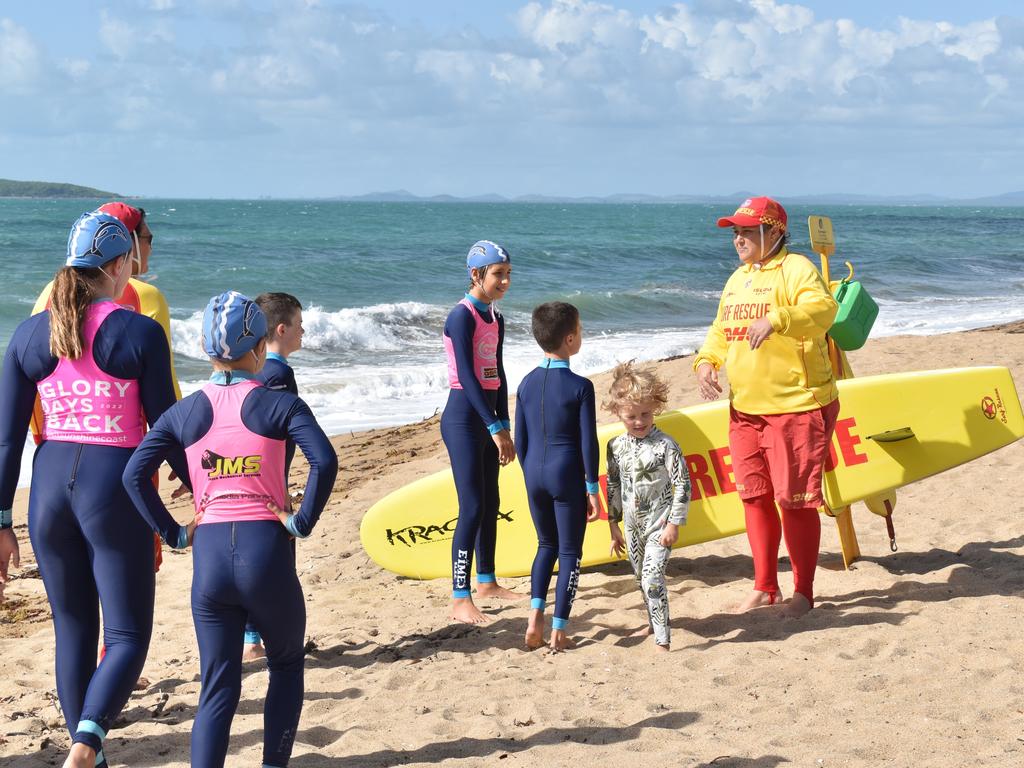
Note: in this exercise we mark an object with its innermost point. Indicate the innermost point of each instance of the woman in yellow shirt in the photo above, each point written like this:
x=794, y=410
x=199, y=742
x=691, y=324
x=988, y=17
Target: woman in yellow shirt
x=769, y=334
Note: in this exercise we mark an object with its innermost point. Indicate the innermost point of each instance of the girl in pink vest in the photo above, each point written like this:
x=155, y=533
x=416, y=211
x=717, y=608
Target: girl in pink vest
x=475, y=424
x=95, y=368
x=234, y=432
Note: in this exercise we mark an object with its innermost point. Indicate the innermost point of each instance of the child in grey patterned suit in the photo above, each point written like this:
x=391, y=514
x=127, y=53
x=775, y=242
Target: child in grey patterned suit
x=648, y=487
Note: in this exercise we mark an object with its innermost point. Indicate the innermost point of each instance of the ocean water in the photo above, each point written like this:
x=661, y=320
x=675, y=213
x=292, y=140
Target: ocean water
x=378, y=279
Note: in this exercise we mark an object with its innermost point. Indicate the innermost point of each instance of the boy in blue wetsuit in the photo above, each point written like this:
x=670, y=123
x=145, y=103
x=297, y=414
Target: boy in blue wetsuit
x=283, y=313
x=475, y=425
x=556, y=441
x=233, y=431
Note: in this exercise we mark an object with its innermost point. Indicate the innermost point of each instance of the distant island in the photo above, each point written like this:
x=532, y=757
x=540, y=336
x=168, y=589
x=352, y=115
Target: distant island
x=1010, y=199
x=48, y=189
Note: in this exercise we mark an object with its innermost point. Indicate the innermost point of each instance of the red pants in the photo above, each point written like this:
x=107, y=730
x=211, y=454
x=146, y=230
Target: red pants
x=780, y=457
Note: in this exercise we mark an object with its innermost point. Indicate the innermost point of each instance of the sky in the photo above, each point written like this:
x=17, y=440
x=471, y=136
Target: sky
x=316, y=98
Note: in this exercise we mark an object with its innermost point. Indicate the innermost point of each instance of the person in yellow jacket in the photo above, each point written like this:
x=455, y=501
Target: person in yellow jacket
x=769, y=334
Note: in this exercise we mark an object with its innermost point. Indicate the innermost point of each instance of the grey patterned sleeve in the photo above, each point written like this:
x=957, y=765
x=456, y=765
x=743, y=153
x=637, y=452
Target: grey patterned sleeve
x=680, y=482
x=614, y=486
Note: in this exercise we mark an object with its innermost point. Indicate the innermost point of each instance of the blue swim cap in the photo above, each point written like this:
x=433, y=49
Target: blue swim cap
x=96, y=239
x=484, y=253
x=233, y=325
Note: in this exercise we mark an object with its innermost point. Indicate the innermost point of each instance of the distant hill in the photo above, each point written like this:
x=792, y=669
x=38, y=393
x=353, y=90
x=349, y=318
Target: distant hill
x=11, y=188
x=1010, y=199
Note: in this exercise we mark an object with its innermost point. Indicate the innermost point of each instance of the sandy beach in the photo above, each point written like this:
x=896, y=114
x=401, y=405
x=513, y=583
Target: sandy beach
x=912, y=658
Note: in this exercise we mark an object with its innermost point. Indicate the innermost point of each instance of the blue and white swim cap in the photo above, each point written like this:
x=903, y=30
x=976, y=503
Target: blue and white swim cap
x=484, y=253
x=233, y=325
x=97, y=238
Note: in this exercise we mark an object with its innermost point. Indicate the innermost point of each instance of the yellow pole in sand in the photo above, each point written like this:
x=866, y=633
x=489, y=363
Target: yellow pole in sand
x=824, y=244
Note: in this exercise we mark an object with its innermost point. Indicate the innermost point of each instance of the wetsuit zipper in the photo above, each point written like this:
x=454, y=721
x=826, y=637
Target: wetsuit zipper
x=74, y=468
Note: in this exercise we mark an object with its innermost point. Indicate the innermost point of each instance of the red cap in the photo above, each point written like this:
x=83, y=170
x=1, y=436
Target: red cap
x=130, y=217
x=755, y=211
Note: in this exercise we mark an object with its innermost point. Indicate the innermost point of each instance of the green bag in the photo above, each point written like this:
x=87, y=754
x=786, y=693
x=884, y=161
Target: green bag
x=856, y=315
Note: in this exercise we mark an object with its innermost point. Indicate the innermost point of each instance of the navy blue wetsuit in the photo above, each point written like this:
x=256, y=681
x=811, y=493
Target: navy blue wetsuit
x=241, y=569
x=278, y=375
x=90, y=543
x=556, y=442
x=471, y=415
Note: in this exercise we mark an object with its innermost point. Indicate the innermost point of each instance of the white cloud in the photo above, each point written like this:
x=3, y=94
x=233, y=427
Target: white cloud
x=568, y=75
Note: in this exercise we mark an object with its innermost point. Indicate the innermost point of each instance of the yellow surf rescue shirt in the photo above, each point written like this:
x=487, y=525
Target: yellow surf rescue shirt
x=790, y=372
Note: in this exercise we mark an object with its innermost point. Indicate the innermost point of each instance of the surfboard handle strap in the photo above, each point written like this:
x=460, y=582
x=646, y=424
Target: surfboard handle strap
x=889, y=526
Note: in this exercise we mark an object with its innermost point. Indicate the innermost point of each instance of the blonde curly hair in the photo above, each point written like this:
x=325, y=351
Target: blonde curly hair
x=633, y=385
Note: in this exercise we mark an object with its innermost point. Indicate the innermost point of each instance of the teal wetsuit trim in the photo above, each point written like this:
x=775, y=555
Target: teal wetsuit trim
x=88, y=726
x=552, y=362
x=182, y=542
x=538, y=603
x=557, y=623
x=458, y=594
x=6, y=518
x=483, y=306
x=252, y=638
x=279, y=358
x=485, y=578
x=227, y=378
x=593, y=487
x=289, y=523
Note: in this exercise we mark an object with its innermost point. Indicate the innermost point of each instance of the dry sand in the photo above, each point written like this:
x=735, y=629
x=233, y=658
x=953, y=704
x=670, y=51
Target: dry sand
x=910, y=659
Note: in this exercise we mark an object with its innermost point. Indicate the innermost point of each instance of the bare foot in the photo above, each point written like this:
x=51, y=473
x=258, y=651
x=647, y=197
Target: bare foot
x=797, y=607
x=662, y=648
x=141, y=684
x=560, y=641
x=80, y=756
x=757, y=599
x=535, y=629
x=253, y=651
x=644, y=631
x=463, y=610
x=490, y=589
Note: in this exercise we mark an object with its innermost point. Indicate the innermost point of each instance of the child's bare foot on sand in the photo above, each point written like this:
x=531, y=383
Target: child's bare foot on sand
x=463, y=610
x=662, y=648
x=535, y=630
x=758, y=599
x=490, y=589
x=560, y=641
x=80, y=756
x=253, y=651
x=796, y=607
x=644, y=631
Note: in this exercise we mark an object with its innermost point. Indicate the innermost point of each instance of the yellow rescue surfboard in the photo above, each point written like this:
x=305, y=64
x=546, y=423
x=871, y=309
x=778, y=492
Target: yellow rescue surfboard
x=892, y=430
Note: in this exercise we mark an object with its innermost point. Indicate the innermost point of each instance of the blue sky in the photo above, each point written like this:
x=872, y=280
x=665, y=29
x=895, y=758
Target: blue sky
x=307, y=98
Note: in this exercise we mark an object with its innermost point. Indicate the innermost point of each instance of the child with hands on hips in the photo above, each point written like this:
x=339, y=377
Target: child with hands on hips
x=556, y=441
x=475, y=424
x=648, y=488
x=234, y=432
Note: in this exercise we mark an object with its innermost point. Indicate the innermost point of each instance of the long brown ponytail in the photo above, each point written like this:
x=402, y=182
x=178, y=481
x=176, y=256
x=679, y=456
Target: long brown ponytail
x=73, y=290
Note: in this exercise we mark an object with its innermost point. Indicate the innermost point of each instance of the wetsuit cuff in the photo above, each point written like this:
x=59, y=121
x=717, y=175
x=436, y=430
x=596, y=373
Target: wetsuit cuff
x=495, y=428
x=90, y=734
x=252, y=637
x=292, y=528
x=557, y=623
x=458, y=594
x=485, y=578
x=182, y=542
x=6, y=518
x=537, y=603
x=593, y=487
x=506, y=424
